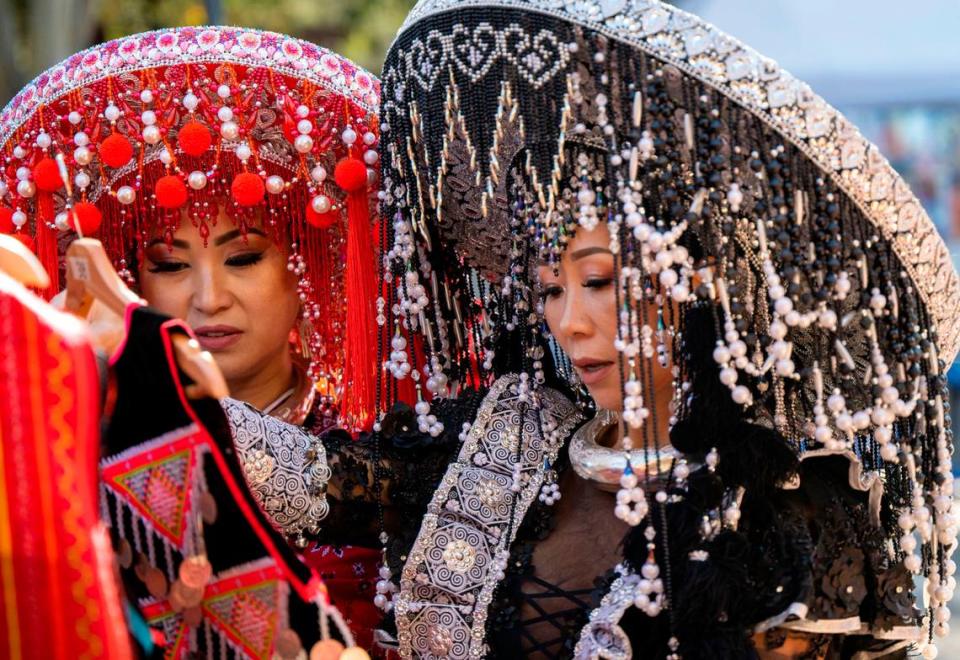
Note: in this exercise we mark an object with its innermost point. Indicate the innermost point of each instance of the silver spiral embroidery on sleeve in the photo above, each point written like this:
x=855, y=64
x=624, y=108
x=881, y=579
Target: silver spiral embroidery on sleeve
x=461, y=552
x=602, y=636
x=285, y=468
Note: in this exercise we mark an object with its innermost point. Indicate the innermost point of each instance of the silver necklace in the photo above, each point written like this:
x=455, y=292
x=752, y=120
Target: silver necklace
x=603, y=466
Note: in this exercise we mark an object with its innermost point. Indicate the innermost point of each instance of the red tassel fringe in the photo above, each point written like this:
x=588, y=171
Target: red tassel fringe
x=47, y=243
x=360, y=346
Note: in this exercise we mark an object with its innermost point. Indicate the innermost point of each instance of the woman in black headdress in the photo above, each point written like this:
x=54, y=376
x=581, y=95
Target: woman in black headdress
x=764, y=326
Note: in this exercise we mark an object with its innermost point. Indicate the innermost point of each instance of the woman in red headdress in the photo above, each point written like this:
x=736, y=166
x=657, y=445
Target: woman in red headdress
x=230, y=175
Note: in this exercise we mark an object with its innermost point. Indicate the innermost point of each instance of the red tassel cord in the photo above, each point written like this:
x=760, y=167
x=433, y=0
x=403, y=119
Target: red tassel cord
x=47, y=242
x=360, y=345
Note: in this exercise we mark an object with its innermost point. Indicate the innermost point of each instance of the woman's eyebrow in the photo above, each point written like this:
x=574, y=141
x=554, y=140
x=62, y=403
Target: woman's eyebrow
x=236, y=233
x=587, y=251
x=177, y=243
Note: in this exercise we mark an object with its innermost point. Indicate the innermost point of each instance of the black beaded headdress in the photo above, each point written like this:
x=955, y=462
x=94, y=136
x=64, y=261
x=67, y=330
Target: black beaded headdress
x=813, y=301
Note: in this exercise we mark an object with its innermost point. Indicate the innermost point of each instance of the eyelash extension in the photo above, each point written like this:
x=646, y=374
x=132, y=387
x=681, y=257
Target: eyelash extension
x=598, y=282
x=549, y=292
x=166, y=267
x=248, y=259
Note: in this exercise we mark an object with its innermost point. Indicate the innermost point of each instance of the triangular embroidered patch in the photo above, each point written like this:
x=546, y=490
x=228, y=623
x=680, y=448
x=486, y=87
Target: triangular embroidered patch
x=155, y=479
x=248, y=617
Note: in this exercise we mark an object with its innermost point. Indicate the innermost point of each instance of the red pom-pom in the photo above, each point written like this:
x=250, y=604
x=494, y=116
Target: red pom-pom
x=194, y=138
x=85, y=218
x=320, y=220
x=170, y=191
x=26, y=239
x=116, y=151
x=247, y=189
x=46, y=175
x=6, y=220
x=351, y=175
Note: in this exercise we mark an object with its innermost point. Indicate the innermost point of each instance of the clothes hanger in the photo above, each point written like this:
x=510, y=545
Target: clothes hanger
x=91, y=277
x=207, y=378
x=21, y=264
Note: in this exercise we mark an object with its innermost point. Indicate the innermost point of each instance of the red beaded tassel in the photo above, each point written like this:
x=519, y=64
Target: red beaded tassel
x=360, y=345
x=46, y=175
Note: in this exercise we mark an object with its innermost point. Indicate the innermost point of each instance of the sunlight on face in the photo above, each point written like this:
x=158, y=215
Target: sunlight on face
x=235, y=292
x=581, y=312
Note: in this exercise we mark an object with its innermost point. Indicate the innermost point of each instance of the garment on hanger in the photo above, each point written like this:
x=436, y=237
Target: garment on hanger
x=58, y=595
x=196, y=551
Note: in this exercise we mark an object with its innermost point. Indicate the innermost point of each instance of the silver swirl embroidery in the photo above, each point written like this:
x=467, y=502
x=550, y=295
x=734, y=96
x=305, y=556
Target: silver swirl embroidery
x=463, y=546
x=602, y=636
x=285, y=468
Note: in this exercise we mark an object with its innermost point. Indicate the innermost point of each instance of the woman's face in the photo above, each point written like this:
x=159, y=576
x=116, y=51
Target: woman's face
x=580, y=309
x=235, y=292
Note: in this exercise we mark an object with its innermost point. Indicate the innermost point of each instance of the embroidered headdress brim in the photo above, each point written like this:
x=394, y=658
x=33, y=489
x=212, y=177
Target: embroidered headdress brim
x=735, y=70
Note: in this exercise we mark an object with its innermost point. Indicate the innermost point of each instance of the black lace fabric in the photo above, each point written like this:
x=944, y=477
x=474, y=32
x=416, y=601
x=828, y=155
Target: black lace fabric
x=404, y=470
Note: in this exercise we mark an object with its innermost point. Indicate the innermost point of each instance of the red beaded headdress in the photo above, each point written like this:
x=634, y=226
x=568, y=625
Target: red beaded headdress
x=133, y=136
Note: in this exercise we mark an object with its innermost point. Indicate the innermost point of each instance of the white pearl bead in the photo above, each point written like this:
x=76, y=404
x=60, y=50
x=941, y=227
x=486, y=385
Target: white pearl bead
x=668, y=277
x=223, y=91
x=190, y=101
x=738, y=348
x=197, y=180
x=778, y=330
x=369, y=138
x=349, y=136
x=888, y=452
x=112, y=113
x=780, y=349
x=303, y=111
x=321, y=204
x=304, y=126
x=912, y=563
x=23, y=173
x=728, y=376
x=319, y=173
x=274, y=184
x=225, y=113
x=26, y=188
x=19, y=152
x=165, y=156
x=148, y=117
x=74, y=117
x=861, y=420
x=844, y=422
x=721, y=355
x=303, y=143
x=82, y=155
x=229, y=130
x=151, y=134
x=82, y=180
x=741, y=394
x=62, y=221
x=19, y=218
x=734, y=197
x=370, y=157
x=146, y=96
x=243, y=152
x=126, y=194
x=43, y=140
x=783, y=305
